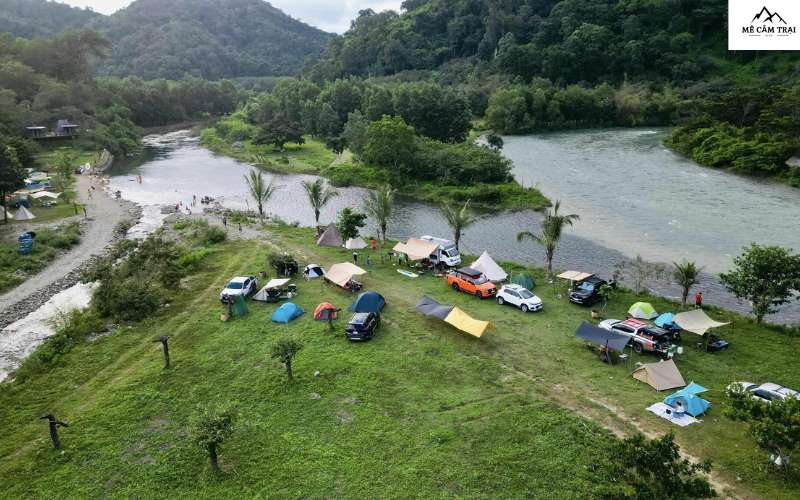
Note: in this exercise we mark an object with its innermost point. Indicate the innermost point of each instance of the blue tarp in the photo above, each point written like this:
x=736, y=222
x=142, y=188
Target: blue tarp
x=666, y=320
x=287, y=312
x=368, y=302
x=687, y=400
x=601, y=337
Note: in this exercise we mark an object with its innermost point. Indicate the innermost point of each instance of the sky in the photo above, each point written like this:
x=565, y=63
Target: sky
x=328, y=15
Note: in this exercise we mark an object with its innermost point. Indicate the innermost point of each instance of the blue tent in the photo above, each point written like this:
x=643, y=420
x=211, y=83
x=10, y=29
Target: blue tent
x=687, y=400
x=287, y=312
x=667, y=321
x=368, y=302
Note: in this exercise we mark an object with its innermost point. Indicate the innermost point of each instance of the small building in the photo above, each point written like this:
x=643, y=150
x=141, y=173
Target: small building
x=64, y=129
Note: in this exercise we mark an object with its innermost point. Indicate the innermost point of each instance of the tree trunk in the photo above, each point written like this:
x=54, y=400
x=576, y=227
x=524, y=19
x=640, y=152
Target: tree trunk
x=5, y=207
x=54, y=434
x=383, y=232
x=166, y=354
x=289, y=370
x=685, y=296
x=212, y=457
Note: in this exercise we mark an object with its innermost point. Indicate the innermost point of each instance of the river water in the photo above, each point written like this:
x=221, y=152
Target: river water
x=634, y=197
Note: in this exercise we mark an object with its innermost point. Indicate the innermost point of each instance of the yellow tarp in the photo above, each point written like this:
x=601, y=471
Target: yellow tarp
x=466, y=323
x=574, y=276
x=416, y=249
x=342, y=273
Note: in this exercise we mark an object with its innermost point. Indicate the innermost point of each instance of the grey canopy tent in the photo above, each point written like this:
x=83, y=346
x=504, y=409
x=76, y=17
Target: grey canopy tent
x=331, y=237
x=603, y=338
x=430, y=307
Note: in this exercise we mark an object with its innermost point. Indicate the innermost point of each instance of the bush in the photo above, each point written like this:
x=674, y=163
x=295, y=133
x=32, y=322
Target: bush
x=283, y=263
x=74, y=328
x=214, y=235
x=129, y=300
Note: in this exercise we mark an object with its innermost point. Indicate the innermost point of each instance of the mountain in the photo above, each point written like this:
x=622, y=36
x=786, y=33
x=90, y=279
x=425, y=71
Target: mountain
x=207, y=38
x=41, y=18
x=212, y=39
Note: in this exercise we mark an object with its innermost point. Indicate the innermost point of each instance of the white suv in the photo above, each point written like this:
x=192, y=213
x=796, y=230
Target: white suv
x=519, y=296
x=241, y=285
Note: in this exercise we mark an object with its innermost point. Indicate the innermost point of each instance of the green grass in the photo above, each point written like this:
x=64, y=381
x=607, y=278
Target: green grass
x=314, y=158
x=14, y=267
x=420, y=411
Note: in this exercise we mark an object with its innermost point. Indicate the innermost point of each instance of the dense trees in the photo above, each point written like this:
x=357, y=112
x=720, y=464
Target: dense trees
x=39, y=18
x=568, y=41
x=766, y=276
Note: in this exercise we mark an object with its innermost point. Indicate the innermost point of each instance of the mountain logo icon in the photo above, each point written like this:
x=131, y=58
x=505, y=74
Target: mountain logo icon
x=766, y=16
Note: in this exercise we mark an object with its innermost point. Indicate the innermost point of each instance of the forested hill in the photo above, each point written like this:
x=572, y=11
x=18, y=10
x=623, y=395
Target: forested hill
x=207, y=38
x=211, y=39
x=566, y=41
x=41, y=18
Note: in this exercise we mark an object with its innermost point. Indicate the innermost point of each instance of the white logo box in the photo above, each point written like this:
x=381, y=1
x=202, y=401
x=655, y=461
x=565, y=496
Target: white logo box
x=763, y=24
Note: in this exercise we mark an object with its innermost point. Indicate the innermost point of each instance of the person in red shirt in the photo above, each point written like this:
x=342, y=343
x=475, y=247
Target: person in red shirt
x=698, y=300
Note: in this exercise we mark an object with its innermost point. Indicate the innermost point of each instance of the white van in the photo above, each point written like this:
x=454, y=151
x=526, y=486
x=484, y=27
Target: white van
x=446, y=254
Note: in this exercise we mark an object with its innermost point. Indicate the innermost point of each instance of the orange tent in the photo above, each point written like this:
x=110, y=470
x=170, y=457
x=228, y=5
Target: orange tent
x=325, y=311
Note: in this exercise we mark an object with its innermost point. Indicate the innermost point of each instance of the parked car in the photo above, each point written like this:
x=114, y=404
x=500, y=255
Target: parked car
x=362, y=326
x=520, y=297
x=645, y=337
x=767, y=392
x=241, y=285
x=587, y=292
x=471, y=281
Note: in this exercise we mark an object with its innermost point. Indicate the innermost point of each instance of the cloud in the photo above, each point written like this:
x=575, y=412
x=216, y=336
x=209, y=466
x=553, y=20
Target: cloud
x=334, y=16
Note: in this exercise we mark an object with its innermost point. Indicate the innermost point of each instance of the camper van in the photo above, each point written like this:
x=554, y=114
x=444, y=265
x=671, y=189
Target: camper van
x=446, y=254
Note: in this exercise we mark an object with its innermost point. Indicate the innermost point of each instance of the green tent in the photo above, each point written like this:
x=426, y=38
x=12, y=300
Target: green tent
x=239, y=307
x=524, y=280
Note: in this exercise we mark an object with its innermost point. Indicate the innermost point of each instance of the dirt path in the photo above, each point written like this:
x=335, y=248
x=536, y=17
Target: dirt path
x=103, y=214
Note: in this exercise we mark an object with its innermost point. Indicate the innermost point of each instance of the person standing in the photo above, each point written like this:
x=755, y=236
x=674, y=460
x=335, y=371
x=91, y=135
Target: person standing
x=355, y=257
x=698, y=300
x=225, y=221
x=240, y=227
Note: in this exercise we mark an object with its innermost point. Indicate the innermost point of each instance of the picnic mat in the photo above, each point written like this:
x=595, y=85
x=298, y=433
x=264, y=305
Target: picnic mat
x=682, y=419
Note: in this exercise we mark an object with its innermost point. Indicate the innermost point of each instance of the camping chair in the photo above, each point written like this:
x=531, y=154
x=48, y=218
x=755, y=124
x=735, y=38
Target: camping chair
x=291, y=291
x=354, y=286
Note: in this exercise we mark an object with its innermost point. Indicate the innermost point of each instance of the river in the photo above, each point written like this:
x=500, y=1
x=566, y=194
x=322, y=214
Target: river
x=634, y=197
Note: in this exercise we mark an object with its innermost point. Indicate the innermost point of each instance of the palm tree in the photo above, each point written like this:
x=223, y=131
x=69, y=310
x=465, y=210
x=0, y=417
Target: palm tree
x=458, y=219
x=260, y=191
x=380, y=204
x=686, y=274
x=319, y=194
x=552, y=226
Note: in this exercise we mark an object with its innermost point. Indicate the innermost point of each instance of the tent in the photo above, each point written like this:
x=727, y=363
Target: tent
x=24, y=214
x=601, y=337
x=574, y=276
x=313, y=271
x=417, y=249
x=356, y=243
x=331, y=237
x=45, y=194
x=667, y=321
x=4, y=212
x=453, y=316
x=642, y=310
x=287, y=312
x=325, y=311
x=263, y=295
x=660, y=376
x=687, y=400
x=489, y=267
x=368, y=302
x=696, y=321
x=341, y=274
x=524, y=280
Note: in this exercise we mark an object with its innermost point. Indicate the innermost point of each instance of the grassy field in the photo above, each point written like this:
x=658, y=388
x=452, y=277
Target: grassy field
x=314, y=158
x=48, y=244
x=420, y=411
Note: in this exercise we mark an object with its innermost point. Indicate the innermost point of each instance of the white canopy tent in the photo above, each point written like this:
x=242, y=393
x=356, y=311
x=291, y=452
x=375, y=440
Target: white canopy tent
x=574, y=275
x=416, y=249
x=263, y=295
x=341, y=274
x=4, y=212
x=45, y=194
x=490, y=268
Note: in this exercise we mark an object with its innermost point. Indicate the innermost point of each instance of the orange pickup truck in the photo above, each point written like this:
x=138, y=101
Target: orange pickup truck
x=471, y=281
